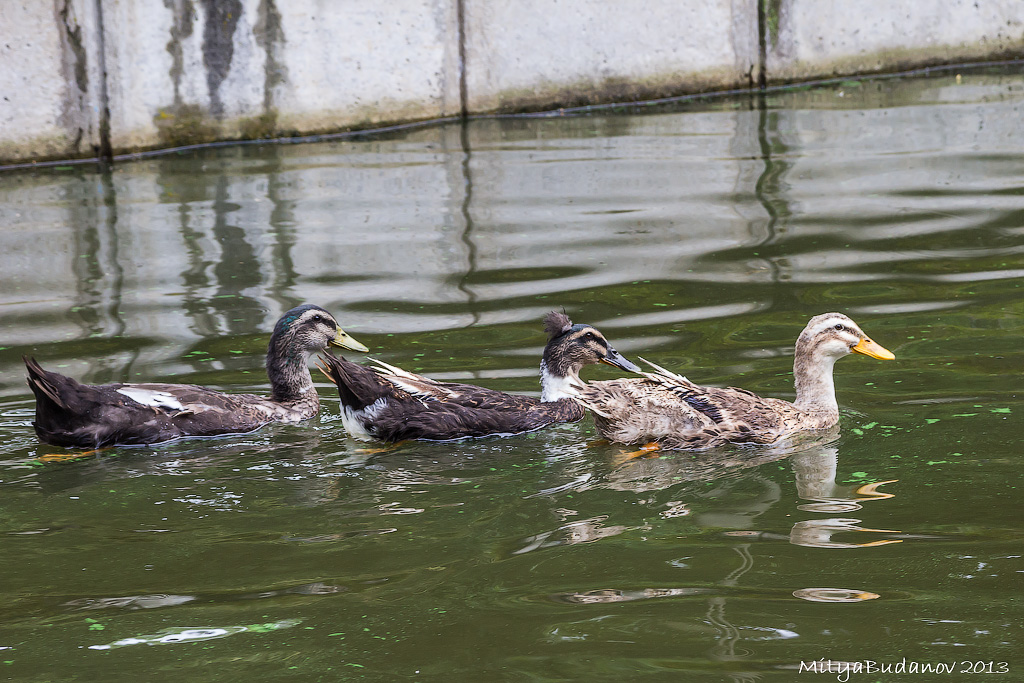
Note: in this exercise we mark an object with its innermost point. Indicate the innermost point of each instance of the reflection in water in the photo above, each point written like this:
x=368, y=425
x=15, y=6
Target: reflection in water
x=727, y=648
x=284, y=229
x=582, y=531
x=130, y=602
x=815, y=471
x=834, y=595
x=192, y=634
x=610, y=595
x=98, y=272
x=817, y=533
x=159, y=600
x=462, y=197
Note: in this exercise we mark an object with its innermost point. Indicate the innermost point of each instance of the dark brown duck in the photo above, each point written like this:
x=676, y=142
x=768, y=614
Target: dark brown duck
x=391, y=404
x=76, y=415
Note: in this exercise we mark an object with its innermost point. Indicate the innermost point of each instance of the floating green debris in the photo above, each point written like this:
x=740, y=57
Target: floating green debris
x=931, y=420
x=937, y=462
x=965, y=415
x=1000, y=410
x=869, y=425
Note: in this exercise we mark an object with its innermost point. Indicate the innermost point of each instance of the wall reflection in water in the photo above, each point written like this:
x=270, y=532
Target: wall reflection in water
x=493, y=223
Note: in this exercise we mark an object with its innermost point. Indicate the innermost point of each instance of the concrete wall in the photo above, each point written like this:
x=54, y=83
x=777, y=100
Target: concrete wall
x=820, y=38
x=187, y=71
x=534, y=54
x=49, y=80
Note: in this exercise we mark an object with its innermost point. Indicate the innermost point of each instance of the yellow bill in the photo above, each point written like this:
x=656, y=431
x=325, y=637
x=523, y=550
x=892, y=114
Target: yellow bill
x=870, y=348
x=342, y=339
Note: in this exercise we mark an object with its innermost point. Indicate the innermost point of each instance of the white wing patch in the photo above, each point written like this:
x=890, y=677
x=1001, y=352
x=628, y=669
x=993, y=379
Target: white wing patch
x=355, y=421
x=151, y=398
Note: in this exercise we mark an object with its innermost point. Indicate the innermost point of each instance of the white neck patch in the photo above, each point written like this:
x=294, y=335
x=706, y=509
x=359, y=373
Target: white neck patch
x=554, y=388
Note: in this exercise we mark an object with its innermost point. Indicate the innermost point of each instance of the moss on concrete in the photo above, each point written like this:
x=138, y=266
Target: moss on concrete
x=585, y=92
x=186, y=124
x=260, y=127
x=895, y=60
x=773, y=14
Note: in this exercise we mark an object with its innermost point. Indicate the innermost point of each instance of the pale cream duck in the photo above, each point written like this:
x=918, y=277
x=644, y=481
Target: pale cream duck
x=664, y=410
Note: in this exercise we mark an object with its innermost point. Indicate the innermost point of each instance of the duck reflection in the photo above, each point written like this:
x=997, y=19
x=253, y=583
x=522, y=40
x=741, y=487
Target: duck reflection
x=159, y=600
x=582, y=531
x=817, y=533
x=815, y=471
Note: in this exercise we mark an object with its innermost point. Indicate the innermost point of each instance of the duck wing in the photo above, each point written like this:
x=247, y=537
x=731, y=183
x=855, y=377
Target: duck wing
x=641, y=410
x=439, y=421
x=76, y=415
x=665, y=407
x=468, y=395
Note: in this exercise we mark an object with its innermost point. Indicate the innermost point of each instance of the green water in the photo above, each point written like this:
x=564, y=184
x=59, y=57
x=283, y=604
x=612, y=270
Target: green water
x=701, y=237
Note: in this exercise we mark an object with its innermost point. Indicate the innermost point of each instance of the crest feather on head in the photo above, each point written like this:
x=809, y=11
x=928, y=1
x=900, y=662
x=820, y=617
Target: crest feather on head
x=556, y=324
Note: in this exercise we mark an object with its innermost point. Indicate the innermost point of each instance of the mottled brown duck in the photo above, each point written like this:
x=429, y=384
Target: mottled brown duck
x=665, y=410
x=390, y=404
x=76, y=415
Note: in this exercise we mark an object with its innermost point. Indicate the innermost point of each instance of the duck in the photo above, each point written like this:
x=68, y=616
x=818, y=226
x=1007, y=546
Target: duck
x=666, y=411
x=389, y=404
x=84, y=416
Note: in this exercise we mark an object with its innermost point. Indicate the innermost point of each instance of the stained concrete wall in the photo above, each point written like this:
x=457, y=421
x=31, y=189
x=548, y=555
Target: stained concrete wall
x=820, y=38
x=533, y=54
x=79, y=73
x=49, y=80
x=195, y=70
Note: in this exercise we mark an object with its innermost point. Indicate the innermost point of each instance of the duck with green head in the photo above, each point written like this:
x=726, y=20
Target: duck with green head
x=76, y=415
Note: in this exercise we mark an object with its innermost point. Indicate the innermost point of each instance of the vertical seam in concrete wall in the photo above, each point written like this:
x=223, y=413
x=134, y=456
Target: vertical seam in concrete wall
x=106, y=150
x=460, y=11
x=762, y=44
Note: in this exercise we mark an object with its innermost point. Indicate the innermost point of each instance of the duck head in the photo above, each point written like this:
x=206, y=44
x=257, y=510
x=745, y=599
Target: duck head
x=834, y=335
x=301, y=332
x=826, y=339
x=311, y=329
x=569, y=348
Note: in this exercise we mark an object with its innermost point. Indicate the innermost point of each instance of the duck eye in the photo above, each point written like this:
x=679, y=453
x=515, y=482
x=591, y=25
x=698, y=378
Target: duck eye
x=318, y=318
x=839, y=326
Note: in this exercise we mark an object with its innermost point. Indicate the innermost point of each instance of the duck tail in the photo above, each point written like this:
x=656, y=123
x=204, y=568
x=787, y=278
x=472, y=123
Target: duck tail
x=43, y=385
x=358, y=387
x=62, y=403
x=591, y=407
x=660, y=374
x=591, y=402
